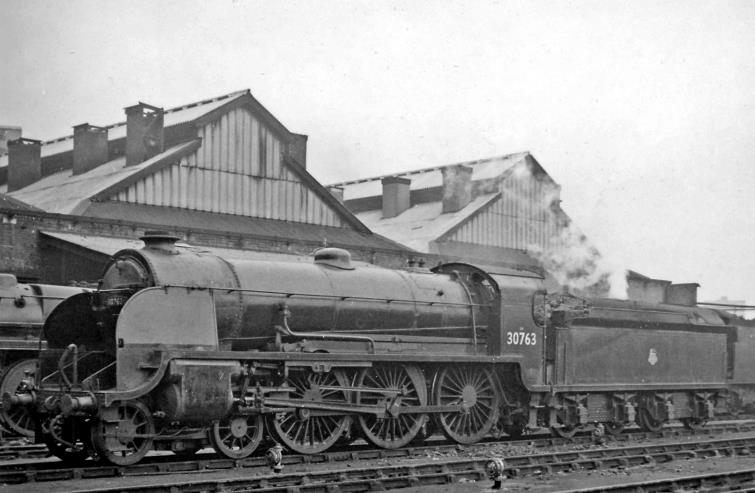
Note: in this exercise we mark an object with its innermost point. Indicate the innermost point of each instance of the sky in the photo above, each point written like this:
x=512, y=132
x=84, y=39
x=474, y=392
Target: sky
x=643, y=111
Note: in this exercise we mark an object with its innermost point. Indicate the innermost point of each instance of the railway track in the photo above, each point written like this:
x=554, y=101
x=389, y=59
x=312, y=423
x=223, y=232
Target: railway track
x=53, y=470
x=38, y=451
x=434, y=472
x=738, y=480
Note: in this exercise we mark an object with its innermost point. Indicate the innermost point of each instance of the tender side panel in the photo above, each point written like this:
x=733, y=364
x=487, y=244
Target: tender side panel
x=614, y=356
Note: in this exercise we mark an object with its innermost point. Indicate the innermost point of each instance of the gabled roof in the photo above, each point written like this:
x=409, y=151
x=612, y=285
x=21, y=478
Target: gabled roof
x=423, y=223
x=172, y=117
x=64, y=193
x=429, y=178
x=60, y=191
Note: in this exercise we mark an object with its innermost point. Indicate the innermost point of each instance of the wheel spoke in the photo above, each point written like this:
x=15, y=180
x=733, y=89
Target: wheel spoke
x=307, y=433
x=138, y=421
x=76, y=433
x=17, y=419
x=474, y=389
x=392, y=431
x=228, y=444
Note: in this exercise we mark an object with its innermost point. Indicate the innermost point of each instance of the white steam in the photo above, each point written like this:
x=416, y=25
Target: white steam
x=567, y=255
x=576, y=264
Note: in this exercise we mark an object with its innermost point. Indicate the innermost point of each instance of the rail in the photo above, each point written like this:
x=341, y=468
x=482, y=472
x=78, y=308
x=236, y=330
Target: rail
x=368, y=477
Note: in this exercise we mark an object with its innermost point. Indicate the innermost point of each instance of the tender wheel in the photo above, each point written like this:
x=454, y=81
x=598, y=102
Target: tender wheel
x=568, y=424
x=309, y=431
x=396, y=429
x=237, y=437
x=693, y=423
x=67, y=439
x=18, y=420
x=648, y=421
x=474, y=389
x=123, y=434
x=566, y=431
x=613, y=428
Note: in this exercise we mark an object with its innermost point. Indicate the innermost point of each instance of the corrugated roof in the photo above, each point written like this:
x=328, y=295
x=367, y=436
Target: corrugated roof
x=173, y=116
x=431, y=177
x=66, y=193
x=422, y=223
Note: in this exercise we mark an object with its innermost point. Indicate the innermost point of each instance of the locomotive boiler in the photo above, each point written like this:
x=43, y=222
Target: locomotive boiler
x=180, y=348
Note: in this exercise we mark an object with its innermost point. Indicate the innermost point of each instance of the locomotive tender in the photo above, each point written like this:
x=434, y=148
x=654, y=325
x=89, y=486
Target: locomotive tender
x=179, y=348
x=23, y=309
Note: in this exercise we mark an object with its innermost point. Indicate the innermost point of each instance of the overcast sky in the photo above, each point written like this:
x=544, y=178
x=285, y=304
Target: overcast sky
x=643, y=111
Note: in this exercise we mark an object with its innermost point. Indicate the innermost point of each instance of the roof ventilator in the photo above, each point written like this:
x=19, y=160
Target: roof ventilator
x=144, y=132
x=396, y=195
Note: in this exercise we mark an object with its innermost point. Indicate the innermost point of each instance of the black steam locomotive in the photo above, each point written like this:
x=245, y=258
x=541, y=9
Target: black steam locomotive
x=23, y=309
x=180, y=348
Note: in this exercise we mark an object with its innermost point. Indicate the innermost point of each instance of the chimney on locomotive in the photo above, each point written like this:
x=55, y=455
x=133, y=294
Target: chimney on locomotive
x=160, y=240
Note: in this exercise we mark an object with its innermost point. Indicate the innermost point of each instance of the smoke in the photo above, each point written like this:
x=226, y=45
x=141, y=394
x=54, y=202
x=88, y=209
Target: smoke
x=567, y=255
x=579, y=266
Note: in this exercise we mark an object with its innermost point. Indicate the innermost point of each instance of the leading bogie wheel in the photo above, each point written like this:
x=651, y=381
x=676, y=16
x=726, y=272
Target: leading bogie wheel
x=67, y=439
x=123, y=434
x=392, y=389
x=237, y=436
x=18, y=419
x=474, y=390
x=311, y=431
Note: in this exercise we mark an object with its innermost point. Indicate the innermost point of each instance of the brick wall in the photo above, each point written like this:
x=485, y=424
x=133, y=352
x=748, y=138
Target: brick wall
x=22, y=253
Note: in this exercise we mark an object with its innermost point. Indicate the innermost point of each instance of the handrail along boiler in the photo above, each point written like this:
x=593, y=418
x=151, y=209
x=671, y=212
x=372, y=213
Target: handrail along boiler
x=180, y=348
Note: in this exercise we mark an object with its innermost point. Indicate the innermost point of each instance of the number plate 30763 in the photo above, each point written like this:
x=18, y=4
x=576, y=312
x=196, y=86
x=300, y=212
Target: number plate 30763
x=521, y=338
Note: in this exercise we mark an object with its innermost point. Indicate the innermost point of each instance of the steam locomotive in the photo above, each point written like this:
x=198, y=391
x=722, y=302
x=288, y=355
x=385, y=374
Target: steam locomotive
x=23, y=309
x=180, y=348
